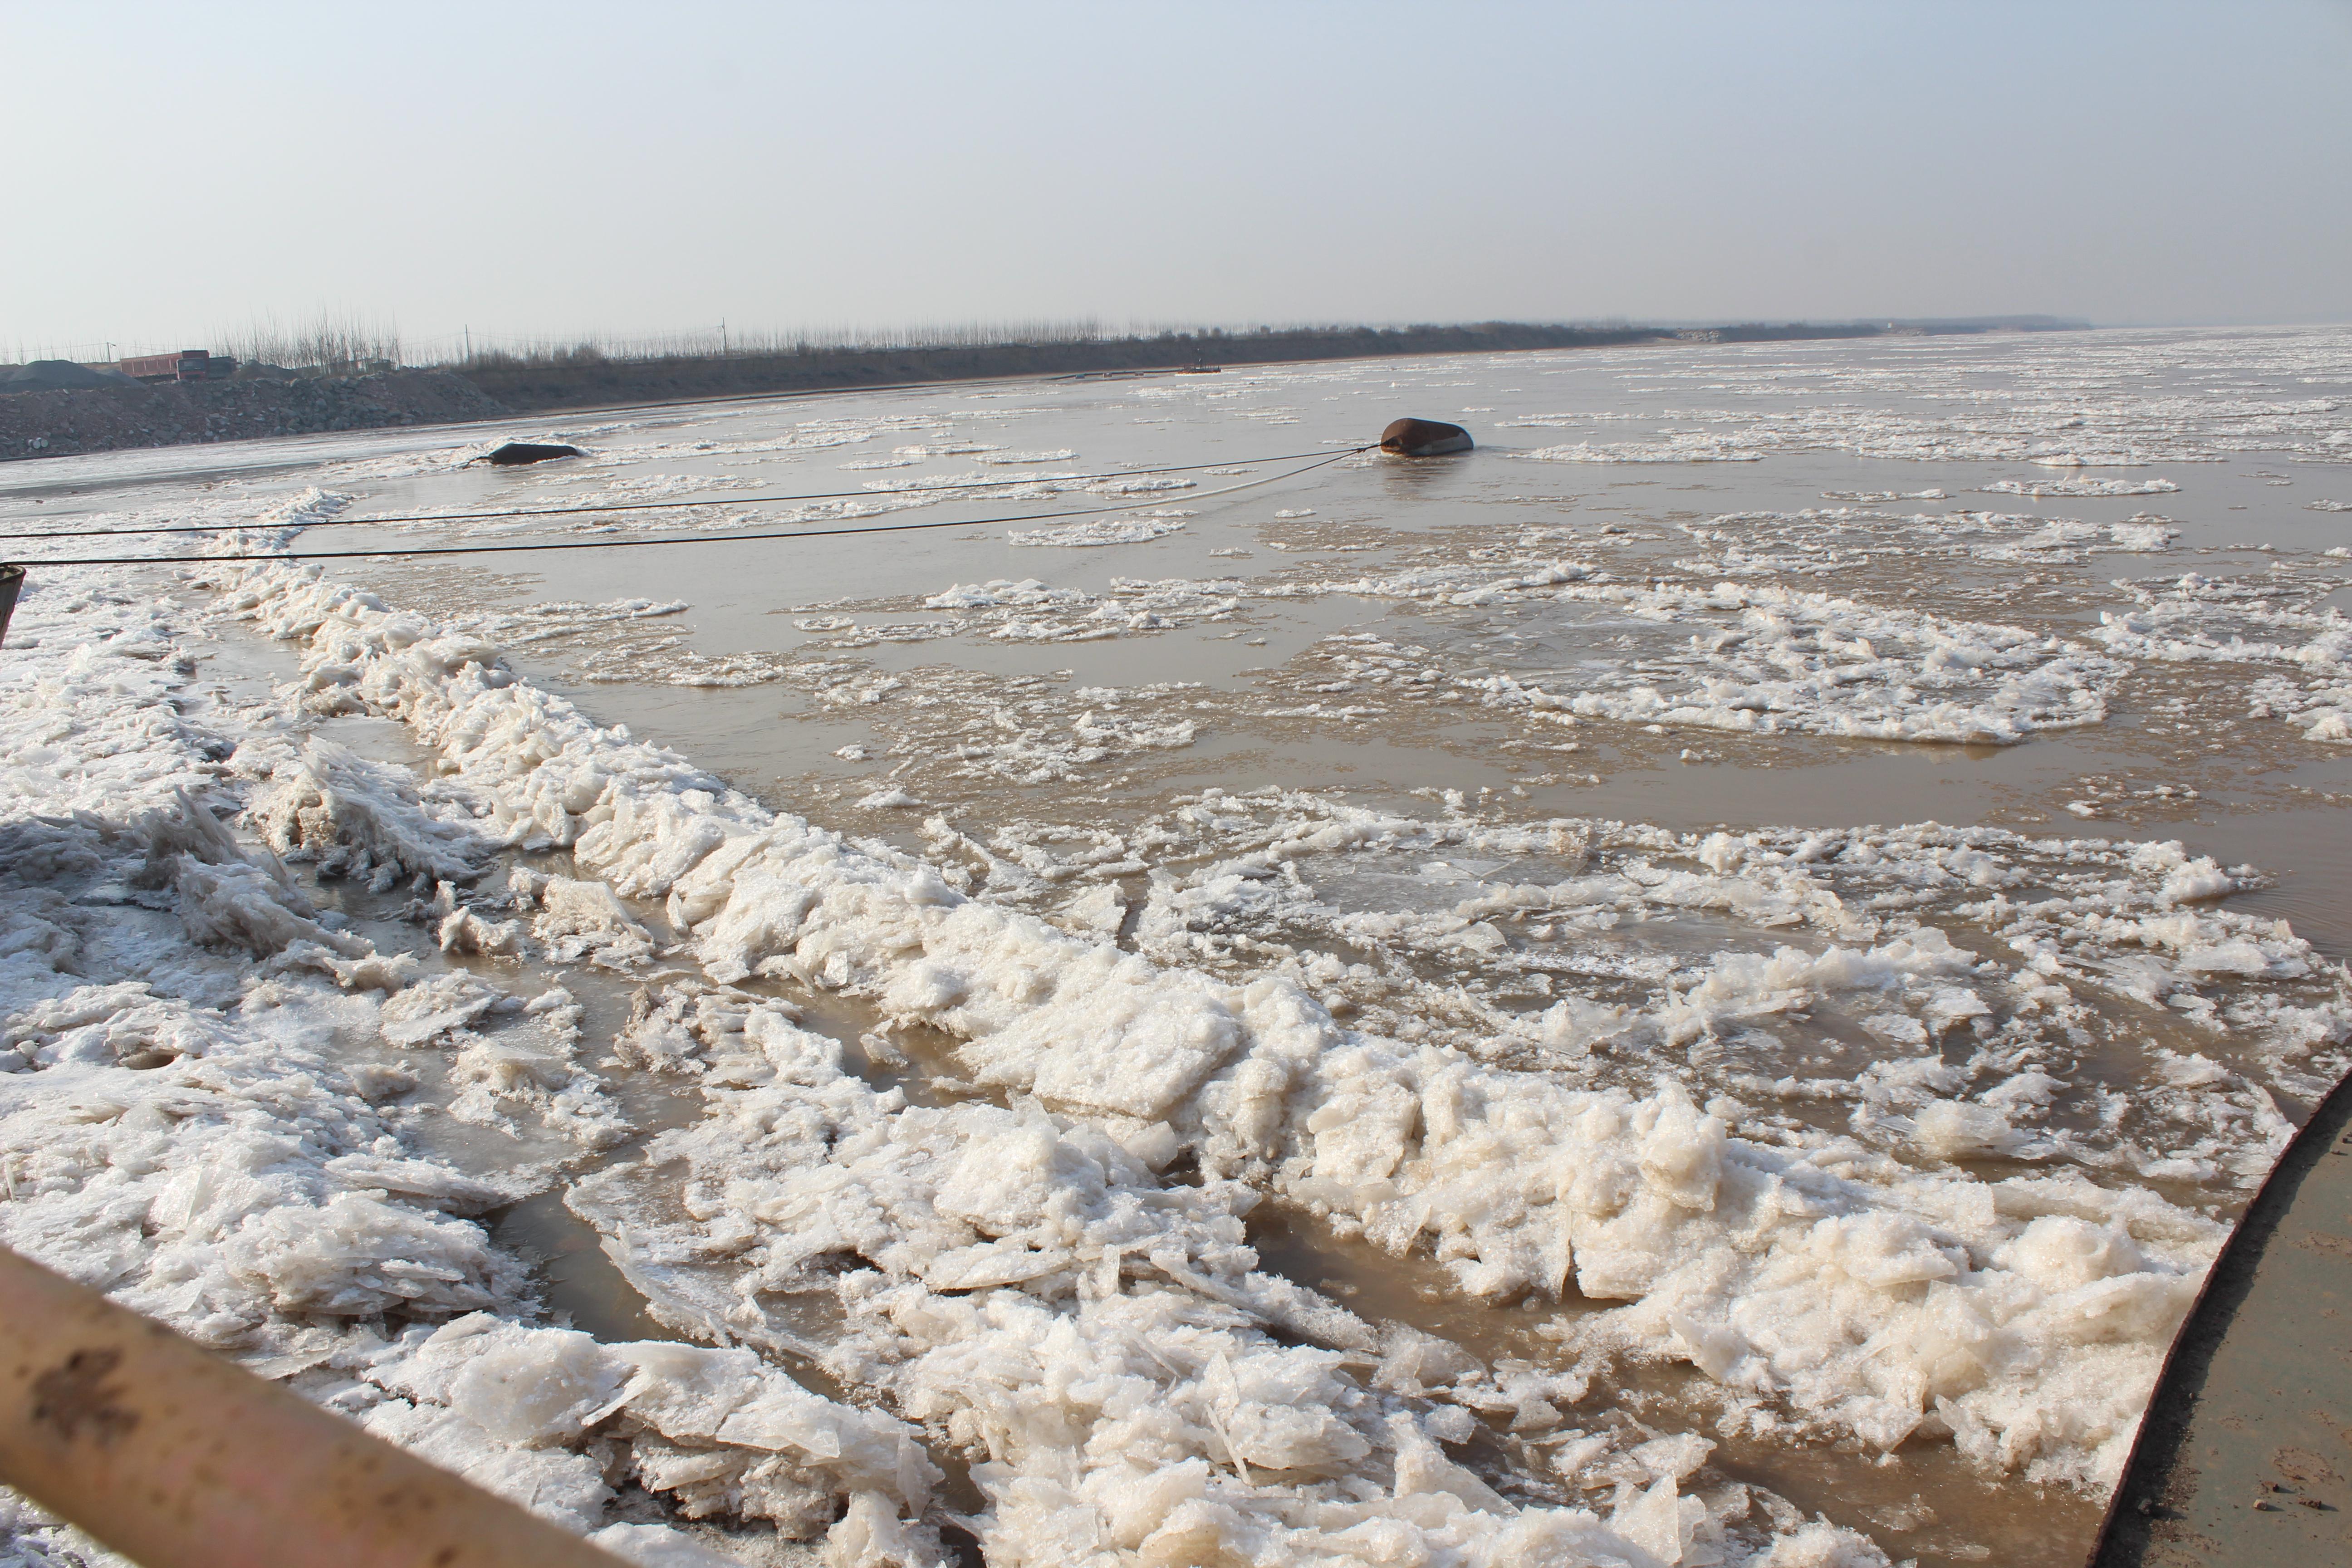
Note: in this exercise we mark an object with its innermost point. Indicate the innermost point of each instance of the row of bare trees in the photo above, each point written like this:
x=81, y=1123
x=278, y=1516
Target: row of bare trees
x=330, y=340
x=485, y=350
x=344, y=339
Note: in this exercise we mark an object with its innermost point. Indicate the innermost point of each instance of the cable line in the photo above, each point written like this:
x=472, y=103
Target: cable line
x=638, y=543
x=675, y=505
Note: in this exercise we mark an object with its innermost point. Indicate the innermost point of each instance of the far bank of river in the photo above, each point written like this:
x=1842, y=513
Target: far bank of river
x=102, y=419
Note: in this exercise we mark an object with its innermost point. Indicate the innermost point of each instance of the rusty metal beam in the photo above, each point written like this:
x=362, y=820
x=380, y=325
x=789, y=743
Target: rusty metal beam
x=179, y=1460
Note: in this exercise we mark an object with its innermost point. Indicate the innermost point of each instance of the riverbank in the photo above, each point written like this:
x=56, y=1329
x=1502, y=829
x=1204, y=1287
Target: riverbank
x=586, y=379
x=106, y=419
x=61, y=424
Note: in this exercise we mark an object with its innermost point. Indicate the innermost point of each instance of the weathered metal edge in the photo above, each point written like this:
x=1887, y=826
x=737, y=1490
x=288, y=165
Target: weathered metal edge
x=2156, y=1446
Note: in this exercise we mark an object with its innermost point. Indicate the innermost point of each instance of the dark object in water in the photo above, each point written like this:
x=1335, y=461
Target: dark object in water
x=12, y=578
x=515, y=453
x=1423, y=439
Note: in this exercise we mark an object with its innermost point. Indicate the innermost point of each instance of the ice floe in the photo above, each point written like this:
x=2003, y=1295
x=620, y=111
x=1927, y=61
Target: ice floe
x=2080, y=487
x=1766, y=659
x=1107, y=530
x=2196, y=619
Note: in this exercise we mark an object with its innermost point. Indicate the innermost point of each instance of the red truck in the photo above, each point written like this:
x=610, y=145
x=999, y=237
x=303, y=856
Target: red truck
x=188, y=364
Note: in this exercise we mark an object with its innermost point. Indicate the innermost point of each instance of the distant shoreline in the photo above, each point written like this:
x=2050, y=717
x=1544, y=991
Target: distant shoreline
x=551, y=382
x=491, y=388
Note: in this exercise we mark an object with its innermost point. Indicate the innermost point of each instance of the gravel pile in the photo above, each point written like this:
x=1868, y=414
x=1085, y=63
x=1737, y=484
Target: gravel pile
x=43, y=424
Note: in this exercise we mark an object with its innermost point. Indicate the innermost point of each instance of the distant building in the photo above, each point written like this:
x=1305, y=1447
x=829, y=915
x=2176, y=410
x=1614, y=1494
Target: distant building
x=188, y=364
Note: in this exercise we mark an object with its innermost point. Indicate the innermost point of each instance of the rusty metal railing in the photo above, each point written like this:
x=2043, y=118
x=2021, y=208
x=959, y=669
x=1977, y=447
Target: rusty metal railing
x=179, y=1460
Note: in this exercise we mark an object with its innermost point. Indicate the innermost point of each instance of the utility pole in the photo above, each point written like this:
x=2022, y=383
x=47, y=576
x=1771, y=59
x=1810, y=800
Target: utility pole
x=469, y=344
x=723, y=337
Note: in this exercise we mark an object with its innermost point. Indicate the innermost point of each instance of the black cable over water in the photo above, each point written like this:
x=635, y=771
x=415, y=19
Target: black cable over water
x=637, y=544
x=679, y=505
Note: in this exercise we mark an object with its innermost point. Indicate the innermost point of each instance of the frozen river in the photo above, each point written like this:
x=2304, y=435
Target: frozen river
x=1723, y=958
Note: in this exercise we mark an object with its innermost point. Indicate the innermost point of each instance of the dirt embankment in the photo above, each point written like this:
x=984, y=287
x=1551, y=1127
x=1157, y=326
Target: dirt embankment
x=102, y=419
x=587, y=380
x=583, y=381
x=54, y=424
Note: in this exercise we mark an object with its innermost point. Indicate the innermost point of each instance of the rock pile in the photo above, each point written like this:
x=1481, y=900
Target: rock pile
x=101, y=419
x=58, y=375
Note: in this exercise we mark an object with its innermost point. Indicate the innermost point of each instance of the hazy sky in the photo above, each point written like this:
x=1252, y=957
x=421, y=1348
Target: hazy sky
x=172, y=170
